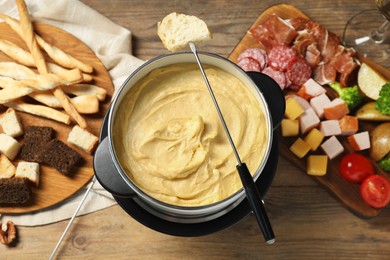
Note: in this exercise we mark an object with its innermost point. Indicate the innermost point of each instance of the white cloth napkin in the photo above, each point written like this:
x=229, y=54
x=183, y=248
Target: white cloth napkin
x=112, y=45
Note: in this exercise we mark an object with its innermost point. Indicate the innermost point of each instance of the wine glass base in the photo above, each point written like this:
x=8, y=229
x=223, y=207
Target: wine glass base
x=357, y=34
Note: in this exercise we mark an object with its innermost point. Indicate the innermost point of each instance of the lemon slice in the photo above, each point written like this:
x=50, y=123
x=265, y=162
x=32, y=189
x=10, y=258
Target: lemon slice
x=370, y=82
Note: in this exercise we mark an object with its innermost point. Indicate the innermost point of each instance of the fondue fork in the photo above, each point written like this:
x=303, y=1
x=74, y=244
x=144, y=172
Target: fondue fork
x=73, y=217
x=251, y=191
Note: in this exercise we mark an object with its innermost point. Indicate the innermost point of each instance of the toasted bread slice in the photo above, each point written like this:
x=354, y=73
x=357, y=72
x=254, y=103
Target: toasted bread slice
x=177, y=30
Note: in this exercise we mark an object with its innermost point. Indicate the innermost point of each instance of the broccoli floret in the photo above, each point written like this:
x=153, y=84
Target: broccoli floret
x=350, y=95
x=385, y=163
x=383, y=102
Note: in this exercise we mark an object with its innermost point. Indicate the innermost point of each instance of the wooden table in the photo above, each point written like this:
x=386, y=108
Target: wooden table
x=307, y=221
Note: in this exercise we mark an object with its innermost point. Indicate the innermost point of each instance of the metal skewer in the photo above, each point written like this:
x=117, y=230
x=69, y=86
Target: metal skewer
x=73, y=217
x=251, y=191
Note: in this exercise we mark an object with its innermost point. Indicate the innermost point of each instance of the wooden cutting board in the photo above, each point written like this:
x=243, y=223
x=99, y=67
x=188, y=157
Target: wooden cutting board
x=55, y=187
x=347, y=193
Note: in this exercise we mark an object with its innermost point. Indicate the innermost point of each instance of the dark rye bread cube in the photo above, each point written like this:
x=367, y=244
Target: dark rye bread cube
x=15, y=190
x=36, y=137
x=59, y=156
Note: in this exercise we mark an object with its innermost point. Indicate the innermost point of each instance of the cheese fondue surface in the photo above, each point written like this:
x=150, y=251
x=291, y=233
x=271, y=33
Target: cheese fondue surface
x=169, y=139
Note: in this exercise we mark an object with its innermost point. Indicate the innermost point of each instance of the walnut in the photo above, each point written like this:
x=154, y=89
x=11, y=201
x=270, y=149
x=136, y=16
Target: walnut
x=8, y=235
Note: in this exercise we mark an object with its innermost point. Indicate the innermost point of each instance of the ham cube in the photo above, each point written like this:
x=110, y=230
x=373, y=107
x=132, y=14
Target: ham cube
x=360, y=141
x=349, y=125
x=311, y=89
x=330, y=127
x=318, y=103
x=332, y=147
x=308, y=120
x=336, y=109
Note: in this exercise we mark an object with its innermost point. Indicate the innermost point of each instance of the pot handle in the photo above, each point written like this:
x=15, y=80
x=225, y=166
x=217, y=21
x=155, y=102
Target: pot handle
x=272, y=94
x=107, y=174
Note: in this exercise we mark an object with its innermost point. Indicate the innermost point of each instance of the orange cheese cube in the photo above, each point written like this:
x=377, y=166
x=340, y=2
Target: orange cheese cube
x=293, y=109
x=300, y=148
x=317, y=165
x=314, y=138
x=290, y=127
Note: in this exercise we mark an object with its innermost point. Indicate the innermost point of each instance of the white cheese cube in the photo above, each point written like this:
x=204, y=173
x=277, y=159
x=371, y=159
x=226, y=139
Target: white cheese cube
x=9, y=146
x=29, y=170
x=332, y=147
x=10, y=123
x=82, y=139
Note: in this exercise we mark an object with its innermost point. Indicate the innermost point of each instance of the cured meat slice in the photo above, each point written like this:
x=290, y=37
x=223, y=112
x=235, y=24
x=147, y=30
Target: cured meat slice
x=273, y=31
x=325, y=73
x=279, y=57
x=249, y=64
x=278, y=76
x=255, y=53
x=298, y=71
x=298, y=23
x=312, y=55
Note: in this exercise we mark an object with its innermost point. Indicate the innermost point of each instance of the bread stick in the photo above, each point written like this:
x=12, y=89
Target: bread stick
x=55, y=53
x=68, y=107
x=16, y=71
x=39, y=110
x=16, y=53
x=28, y=36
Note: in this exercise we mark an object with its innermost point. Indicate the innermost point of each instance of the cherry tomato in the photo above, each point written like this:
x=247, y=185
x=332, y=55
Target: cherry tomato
x=355, y=167
x=375, y=191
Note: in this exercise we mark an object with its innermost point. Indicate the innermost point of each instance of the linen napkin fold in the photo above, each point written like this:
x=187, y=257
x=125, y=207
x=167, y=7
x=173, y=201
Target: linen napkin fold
x=112, y=45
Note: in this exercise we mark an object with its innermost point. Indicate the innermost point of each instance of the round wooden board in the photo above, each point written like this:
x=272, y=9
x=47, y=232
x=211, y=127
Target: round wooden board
x=55, y=187
x=347, y=193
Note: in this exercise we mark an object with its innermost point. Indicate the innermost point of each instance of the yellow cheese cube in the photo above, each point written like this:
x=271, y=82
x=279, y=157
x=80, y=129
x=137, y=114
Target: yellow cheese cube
x=317, y=165
x=300, y=148
x=314, y=138
x=293, y=109
x=290, y=127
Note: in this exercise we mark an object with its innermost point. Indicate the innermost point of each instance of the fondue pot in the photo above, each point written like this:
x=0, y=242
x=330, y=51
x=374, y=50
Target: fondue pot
x=171, y=218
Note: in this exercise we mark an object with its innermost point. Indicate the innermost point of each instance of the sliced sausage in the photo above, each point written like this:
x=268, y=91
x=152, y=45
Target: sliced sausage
x=278, y=76
x=249, y=64
x=255, y=53
x=280, y=56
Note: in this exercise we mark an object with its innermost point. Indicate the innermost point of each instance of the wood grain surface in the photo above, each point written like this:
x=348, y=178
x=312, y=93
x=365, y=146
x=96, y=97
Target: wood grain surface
x=55, y=187
x=348, y=193
x=307, y=221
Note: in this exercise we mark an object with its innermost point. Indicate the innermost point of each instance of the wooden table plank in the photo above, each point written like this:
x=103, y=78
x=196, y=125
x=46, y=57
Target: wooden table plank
x=308, y=223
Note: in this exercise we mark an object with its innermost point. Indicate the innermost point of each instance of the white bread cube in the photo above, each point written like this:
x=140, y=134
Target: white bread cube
x=7, y=169
x=29, y=170
x=9, y=146
x=83, y=139
x=10, y=123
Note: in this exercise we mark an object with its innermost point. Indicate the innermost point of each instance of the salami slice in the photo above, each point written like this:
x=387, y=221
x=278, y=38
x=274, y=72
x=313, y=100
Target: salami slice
x=279, y=57
x=298, y=71
x=255, y=53
x=278, y=76
x=249, y=64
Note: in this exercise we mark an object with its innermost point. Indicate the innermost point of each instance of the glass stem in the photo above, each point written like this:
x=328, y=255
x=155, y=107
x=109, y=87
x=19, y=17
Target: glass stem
x=378, y=35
